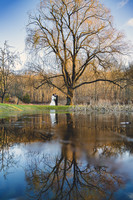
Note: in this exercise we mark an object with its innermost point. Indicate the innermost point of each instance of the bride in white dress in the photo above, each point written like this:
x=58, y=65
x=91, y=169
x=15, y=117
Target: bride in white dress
x=53, y=98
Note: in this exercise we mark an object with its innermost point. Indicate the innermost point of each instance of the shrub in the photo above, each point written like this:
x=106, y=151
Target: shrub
x=7, y=98
x=26, y=98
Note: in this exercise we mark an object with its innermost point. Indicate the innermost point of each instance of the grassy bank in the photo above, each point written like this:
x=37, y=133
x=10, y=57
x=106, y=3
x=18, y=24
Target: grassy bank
x=12, y=109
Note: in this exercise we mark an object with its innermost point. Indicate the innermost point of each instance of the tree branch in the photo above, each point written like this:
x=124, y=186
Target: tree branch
x=97, y=80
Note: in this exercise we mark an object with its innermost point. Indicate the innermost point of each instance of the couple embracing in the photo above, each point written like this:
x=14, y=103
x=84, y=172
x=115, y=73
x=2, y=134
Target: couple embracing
x=54, y=100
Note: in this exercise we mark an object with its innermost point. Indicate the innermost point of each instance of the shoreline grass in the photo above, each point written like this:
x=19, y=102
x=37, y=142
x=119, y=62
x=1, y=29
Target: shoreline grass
x=14, y=109
x=24, y=107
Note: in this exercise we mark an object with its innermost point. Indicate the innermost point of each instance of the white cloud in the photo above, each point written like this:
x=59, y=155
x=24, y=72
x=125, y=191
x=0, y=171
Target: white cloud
x=122, y=3
x=130, y=22
x=130, y=195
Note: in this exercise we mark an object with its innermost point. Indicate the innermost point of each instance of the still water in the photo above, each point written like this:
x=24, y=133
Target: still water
x=66, y=156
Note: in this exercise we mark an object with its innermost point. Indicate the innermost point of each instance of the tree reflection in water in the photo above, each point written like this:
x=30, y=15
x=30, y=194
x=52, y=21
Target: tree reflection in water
x=68, y=177
x=85, y=167
x=6, y=157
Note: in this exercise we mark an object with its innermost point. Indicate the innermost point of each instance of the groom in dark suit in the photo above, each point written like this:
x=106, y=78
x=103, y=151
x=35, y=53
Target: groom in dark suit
x=56, y=100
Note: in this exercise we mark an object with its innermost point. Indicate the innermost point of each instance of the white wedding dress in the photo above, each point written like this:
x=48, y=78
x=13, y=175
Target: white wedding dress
x=53, y=100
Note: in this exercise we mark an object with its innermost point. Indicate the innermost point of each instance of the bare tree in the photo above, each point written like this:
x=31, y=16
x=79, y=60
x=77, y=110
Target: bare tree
x=7, y=63
x=80, y=35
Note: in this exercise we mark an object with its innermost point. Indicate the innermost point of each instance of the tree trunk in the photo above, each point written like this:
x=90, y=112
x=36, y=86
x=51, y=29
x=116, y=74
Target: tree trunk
x=69, y=96
x=2, y=97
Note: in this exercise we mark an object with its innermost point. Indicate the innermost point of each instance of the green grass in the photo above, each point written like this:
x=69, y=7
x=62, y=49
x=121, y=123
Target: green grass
x=13, y=109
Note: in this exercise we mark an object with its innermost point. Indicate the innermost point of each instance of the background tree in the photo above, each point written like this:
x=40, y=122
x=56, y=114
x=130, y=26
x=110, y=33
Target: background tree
x=7, y=63
x=80, y=34
x=128, y=74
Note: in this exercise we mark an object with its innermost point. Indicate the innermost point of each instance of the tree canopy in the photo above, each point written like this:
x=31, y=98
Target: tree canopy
x=80, y=35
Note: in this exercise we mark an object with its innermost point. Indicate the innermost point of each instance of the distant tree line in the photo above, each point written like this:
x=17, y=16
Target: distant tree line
x=22, y=88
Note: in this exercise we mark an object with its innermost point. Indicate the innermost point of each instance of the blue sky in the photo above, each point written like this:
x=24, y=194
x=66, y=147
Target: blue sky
x=14, y=18
x=13, y=21
x=122, y=11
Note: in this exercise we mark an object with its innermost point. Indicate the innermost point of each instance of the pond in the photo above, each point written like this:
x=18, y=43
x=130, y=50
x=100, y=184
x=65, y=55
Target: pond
x=66, y=156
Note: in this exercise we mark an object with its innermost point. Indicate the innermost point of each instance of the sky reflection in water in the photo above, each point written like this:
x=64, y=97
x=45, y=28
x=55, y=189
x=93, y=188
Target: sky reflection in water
x=66, y=156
